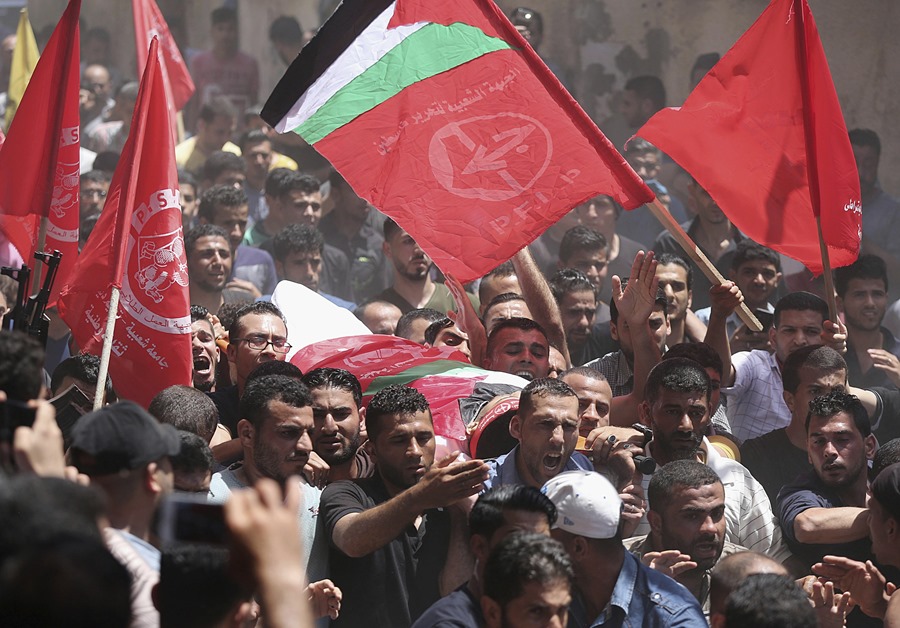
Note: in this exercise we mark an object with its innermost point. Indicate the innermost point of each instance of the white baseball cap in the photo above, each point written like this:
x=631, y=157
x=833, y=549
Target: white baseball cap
x=587, y=504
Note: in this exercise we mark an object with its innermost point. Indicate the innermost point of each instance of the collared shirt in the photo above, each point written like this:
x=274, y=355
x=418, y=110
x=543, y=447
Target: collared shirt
x=874, y=376
x=755, y=402
x=617, y=372
x=502, y=470
x=748, y=512
x=641, y=597
x=733, y=322
x=640, y=545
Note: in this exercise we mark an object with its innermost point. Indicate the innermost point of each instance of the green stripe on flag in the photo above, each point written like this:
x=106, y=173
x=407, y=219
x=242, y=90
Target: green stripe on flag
x=438, y=367
x=426, y=53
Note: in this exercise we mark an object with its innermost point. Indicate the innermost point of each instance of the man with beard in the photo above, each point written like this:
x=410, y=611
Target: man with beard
x=398, y=538
x=209, y=261
x=676, y=407
x=576, y=297
x=687, y=514
x=275, y=433
x=823, y=511
x=546, y=426
x=518, y=346
x=337, y=397
x=204, y=350
x=413, y=287
x=862, y=295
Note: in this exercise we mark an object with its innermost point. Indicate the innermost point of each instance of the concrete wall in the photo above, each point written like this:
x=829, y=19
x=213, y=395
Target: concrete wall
x=601, y=43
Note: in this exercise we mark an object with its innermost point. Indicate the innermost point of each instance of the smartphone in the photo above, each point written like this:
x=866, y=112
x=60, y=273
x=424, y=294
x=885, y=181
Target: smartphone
x=14, y=414
x=188, y=518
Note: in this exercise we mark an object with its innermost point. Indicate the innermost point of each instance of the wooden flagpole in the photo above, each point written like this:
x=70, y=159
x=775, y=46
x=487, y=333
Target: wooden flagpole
x=826, y=273
x=690, y=247
x=107, y=347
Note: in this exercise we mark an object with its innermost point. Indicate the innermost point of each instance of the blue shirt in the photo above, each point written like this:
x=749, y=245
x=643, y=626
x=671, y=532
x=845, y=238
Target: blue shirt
x=642, y=597
x=502, y=470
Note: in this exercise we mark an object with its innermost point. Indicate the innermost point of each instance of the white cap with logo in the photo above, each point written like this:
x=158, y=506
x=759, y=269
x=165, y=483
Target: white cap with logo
x=587, y=504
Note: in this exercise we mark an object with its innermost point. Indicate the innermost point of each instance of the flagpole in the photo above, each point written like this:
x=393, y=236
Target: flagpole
x=699, y=257
x=39, y=248
x=826, y=273
x=107, y=347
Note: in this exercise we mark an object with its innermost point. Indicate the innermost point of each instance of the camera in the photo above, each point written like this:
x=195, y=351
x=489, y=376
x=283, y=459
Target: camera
x=645, y=464
x=189, y=518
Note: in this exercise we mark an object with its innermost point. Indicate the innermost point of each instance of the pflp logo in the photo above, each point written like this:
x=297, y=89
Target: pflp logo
x=161, y=264
x=490, y=158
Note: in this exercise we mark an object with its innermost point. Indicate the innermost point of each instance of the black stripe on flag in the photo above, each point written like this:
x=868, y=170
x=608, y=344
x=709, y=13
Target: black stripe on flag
x=350, y=19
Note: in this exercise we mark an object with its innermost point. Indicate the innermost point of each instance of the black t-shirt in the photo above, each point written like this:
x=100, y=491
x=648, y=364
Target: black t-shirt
x=457, y=610
x=886, y=421
x=393, y=585
x=774, y=461
x=227, y=401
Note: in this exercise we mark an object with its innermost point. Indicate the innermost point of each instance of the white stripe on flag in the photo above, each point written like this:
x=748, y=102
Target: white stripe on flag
x=365, y=51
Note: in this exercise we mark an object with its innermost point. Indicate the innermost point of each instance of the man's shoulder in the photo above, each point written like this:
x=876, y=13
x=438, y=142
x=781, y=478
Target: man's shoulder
x=664, y=594
x=247, y=255
x=763, y=445
x=754, y=358
x=457, y=610
x=360, y=489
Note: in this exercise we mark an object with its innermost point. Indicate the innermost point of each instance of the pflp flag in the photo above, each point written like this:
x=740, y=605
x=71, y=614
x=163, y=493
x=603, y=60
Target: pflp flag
x=24, y=57
x=763, y=133
x=39, y=162
x=138, y=247
x=148, y=23
x=442, y=116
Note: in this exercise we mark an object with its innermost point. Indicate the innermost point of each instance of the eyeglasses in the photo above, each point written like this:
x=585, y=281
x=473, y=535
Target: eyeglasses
x=302, y=205
x=279, y=345
x=92, y=193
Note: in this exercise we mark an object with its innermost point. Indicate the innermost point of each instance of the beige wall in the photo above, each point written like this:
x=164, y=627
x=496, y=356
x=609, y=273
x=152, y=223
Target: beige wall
x=628, y=37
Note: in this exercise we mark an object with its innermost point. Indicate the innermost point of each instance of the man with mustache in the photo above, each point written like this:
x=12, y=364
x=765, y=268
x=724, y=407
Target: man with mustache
x=676, y=407
x=413, y=287
x=823, y=511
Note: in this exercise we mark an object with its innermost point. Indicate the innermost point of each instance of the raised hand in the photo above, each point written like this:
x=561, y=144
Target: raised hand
x=635, y=303
x=449, y=481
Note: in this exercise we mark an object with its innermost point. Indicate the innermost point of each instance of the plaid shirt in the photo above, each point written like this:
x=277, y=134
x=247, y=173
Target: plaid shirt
x=615, y=369
x=755, y=402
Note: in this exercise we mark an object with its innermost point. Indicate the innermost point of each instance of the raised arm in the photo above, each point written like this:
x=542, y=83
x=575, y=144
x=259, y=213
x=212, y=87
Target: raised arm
x=540, y=300
x=724, y=299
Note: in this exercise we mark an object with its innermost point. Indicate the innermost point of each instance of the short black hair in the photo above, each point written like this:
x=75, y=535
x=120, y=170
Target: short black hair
x=297, y=238
x=677, y=375
x=95, y=176
x=816, y=357
x=667, y=259
x=838, y=401
x=505, y=297
x=220, y=195
x=275, y=367
x=517, y=322
x=85, y=367
x=568, y=281
x=259, y=392
x=214, y=107
x=581, y=238
x=196, y=587
x=187, y=409
x=286, y=28
x=194, y=456
x=223, y=14
x=282, y=181
x=523, y=16
x=543, y=387
x=435, y=328
x=700, y=352
x=865, y=137
x=886, y=490
x=749, y=251
x=769, y=600
x=392, y=401
x=187, y=177
x=326, y=377
x=221, y=161
x=521, y=558
x=648, y=87
x=252, y=138
x=674, y=475
x=21, y=365
x=585, y=371
x=202, y=231
x=886, y=455
x=800, y=302
x=865, y=267
x=486, y=516
x=659, y=302
x=257, y=307
x=404, y=325
x=640, y=146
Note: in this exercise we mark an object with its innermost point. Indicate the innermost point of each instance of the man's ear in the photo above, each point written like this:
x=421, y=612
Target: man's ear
x=246, y=432
x=279, y=268
x=150, y=481
x=772, y=334
x=839, y=302
x=614, y=330
x=386, y=249
x=690, y=299
x=788, y=400
x=515, y=427
x=655, y=521
x=644, y=413
x=231, y=352
x=493, y=614
x=480, y=548
x=871, y=446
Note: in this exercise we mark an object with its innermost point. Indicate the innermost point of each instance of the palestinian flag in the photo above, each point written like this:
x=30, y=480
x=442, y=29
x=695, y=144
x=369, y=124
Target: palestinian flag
x=440, y=115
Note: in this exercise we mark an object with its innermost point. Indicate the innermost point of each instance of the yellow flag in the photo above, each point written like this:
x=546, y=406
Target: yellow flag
x=24, y=58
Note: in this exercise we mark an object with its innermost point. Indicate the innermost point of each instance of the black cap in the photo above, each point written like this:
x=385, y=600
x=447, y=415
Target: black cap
x=886, y=490
x=120, y=436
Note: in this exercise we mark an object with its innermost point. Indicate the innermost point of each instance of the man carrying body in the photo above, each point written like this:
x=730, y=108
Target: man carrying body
x=497, y=514
x=398, y=538
x=336, y=401
x=518, y=346
x=687, y=514
x=612, y=587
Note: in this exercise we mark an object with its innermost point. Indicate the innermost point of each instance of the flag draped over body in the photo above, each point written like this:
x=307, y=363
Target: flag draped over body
x=441, y=116
x=148, y=23
x=39, y=162
x=24, y=57
x=138, y=247
x=763, y=133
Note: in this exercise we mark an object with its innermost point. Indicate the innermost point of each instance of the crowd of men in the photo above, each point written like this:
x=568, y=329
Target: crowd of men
x=649, y=461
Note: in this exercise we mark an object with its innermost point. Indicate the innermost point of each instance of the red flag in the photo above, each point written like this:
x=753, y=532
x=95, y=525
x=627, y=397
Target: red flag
x=149, y=23
x=443, y=117
x=138, y=246
x=39, y=161
x=763, y=133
